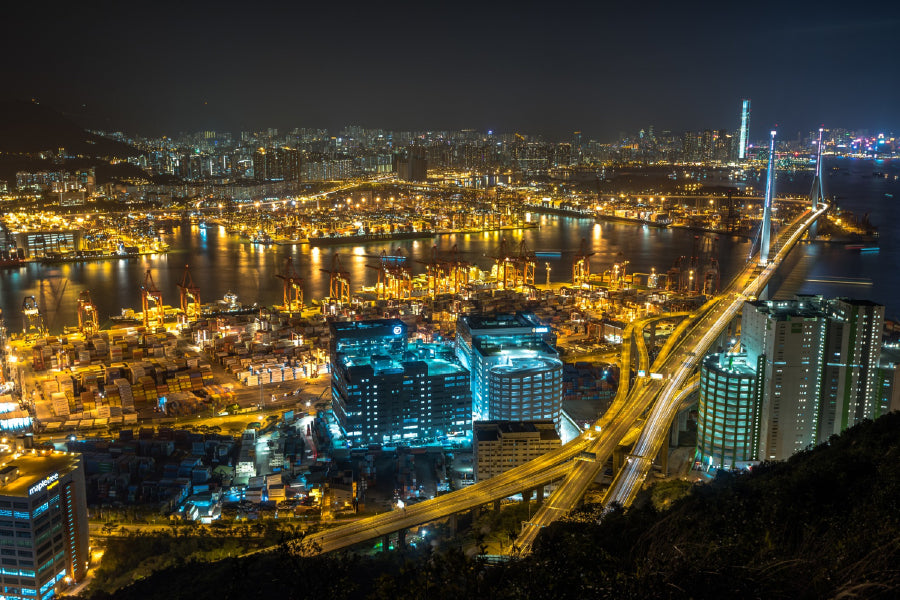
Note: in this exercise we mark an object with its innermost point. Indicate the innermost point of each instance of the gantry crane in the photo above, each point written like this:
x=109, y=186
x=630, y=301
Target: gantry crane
x=339, y=280
x=581, y=265
x=293, y=287
x=34, y=320
x=190, y=296
x=515, y=270
x=88, y=321
x=152, y=303
x=394, y=276
x=458, y=271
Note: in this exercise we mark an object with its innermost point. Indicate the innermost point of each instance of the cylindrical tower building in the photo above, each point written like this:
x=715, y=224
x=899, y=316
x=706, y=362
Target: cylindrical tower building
x=728, y=425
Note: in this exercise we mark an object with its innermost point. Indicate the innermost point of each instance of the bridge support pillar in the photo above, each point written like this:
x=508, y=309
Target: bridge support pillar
x=526, y=496
x=663, y=459
x=618, y=459
x=401, y=539
x=540, y=494
x=385, y=543
x=452, y=523
x=496, y=505
x=652, y=341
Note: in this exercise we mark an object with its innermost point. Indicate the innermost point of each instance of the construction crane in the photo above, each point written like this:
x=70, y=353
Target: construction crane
x=88, y=320
x=339, y=280
x=293, y=287
x=581, y=265
x=34, y=320
x=152, y=303
x=190, y=297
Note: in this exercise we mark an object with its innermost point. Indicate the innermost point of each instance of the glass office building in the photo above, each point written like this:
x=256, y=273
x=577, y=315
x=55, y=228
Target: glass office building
x=386, y=390
x=516, y=372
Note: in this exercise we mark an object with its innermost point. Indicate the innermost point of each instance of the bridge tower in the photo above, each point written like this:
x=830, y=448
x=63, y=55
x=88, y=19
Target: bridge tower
x=817, y=193
x=766, y=227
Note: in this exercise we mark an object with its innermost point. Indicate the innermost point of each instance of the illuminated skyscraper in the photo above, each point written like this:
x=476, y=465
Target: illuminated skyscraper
x=745, y=129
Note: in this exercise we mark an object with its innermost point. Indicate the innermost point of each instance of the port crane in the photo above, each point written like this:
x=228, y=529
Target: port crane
x=293, y=287
x=88, y=320
x=34, y=320
x=338, y=281
x=190, y=297
x=394, y=276
x=152, y=303
x=515, y=270
x=581, y=265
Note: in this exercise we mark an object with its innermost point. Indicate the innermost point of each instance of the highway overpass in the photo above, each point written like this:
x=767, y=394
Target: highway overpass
x=655, y=399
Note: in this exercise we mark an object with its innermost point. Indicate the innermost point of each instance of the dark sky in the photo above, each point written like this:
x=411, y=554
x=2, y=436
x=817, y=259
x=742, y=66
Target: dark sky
x=547, y=67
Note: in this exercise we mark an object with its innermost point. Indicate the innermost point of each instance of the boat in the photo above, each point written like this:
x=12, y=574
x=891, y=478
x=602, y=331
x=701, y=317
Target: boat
x=869, y=250
x=888, y=195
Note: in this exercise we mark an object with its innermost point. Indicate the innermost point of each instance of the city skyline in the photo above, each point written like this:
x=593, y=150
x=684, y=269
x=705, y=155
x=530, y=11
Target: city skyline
x=484, y=68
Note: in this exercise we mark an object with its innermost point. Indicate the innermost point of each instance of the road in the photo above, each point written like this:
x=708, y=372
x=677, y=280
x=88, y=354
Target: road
x=747, y=285
x=678, y=358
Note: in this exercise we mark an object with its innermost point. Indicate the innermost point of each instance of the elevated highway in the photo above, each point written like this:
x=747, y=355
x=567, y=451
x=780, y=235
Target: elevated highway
x=655, y=399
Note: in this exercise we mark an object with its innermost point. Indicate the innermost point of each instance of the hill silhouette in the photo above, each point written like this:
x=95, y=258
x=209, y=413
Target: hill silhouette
x=822, y=525
x=28, y=127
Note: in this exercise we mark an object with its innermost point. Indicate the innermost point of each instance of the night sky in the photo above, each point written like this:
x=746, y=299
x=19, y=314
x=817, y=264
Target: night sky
x=548, y=67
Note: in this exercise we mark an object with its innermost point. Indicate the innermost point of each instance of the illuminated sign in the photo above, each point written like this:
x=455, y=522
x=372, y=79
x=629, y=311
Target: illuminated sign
x=397, y=330
x=540, y=330
x=43, y=483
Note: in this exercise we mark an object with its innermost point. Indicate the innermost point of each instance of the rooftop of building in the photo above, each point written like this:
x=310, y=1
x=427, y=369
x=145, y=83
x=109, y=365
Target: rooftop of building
x=501, y=321
x=439, y=359
x=526, y=364
x=491, y=431
x=730, y=363
x=367, y=325
x=28, y=472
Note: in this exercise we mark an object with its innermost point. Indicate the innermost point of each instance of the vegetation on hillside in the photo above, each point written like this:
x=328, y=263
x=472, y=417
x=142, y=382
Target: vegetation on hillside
x=823, y=524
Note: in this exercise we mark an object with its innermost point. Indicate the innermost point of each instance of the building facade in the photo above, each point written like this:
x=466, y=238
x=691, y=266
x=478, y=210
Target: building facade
x=728, y=426
x=816, y=367
x=516, y=372
x=499, y=446
x=385, y=390
x=43, y=523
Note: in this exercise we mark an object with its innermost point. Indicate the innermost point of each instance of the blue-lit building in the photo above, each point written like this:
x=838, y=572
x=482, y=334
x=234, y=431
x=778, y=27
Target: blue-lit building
x=516, y=371
x=43, y=522
x=386, y=390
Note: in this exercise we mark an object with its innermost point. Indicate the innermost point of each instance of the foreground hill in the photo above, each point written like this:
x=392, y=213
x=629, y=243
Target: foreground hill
x=823, y=524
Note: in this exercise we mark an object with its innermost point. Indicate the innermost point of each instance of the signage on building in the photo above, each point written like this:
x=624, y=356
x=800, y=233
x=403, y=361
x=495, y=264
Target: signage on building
x=397, y=330
x=43, y=484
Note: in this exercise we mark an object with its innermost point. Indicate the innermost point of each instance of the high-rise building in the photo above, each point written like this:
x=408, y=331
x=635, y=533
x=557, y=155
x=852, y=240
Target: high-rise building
x=852, y=352
x=499, y=446
x=728, y=426
x=386, y=390
x=43, y=522
x=516, y=373
x=744, y=138
x=818, y=362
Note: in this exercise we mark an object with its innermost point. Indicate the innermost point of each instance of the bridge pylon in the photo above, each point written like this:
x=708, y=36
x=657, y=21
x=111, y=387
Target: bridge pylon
x=766, y=226
x=817, y=193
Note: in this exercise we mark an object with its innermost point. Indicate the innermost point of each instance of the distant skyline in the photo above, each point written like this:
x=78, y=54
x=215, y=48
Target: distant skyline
x=549, y=69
